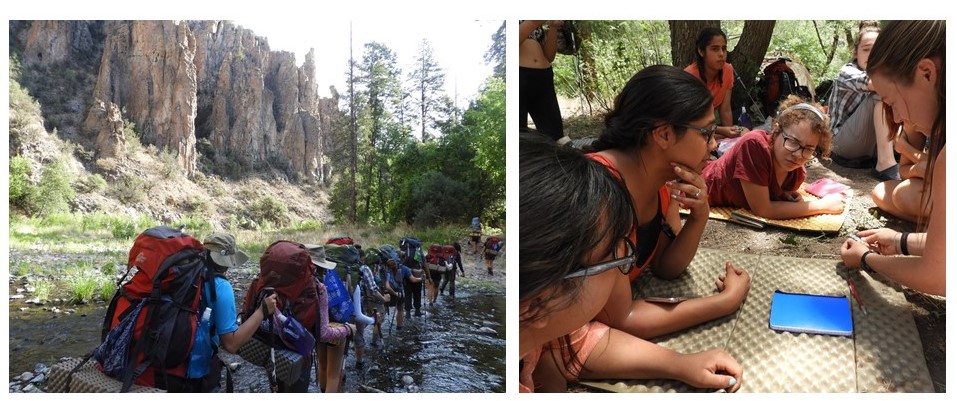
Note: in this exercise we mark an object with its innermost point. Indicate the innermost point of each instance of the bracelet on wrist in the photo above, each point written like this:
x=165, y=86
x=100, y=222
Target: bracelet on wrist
x=864, y=265
x=904, y=244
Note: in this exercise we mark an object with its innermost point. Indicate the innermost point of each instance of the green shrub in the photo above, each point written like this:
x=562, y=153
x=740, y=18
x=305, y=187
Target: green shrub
x=269, y=209
x=170, y=166
x=133, y=143
x=42, y=289
x=55, y=189
x=92, y=183
x=23, y=194
x=107, y=289
x=194, y=223
x=81, y=287
x=124, y=230
x=129, y=190
x=109, y=269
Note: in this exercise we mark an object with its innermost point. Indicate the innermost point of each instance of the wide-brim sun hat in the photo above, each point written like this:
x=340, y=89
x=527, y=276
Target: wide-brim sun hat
x=222, y=249
x=318, y=255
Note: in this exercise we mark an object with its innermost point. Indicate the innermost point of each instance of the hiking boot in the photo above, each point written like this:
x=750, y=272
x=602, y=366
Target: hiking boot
x=418, y=312
x=489, y=272
x=360, y=365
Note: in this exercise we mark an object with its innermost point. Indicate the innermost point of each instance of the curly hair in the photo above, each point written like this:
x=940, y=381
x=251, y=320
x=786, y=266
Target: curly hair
x=820, y=124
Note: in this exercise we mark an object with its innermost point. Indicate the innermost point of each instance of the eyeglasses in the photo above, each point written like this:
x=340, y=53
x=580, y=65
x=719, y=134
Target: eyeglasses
x=624, y=264
x=791, y=144
x=707, y=132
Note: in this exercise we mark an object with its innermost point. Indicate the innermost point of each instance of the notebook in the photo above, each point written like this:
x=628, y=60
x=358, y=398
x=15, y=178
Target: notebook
x=824, y=187
x=813, y=314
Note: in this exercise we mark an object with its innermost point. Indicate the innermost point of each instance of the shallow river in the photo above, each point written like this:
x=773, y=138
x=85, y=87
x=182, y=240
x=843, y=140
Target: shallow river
x=456, y=346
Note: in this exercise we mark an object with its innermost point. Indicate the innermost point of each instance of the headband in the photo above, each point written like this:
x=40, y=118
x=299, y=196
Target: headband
x=805, y=106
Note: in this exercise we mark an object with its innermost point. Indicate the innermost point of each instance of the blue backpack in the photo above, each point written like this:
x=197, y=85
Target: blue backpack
x=340, y=301
x=476, y=224
x=412, y=248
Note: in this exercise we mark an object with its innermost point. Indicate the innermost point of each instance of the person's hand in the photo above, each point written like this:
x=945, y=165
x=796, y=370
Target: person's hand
x=851, y=253
x=733, y=285
x=352, y=328
x=830, y=204
x=884, y=240
x=269, y=305
x=736, y=131
x=713, y=368
x=690, y=190
x=386, y=297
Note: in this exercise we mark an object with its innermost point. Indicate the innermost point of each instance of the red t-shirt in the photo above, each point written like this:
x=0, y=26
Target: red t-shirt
x=749, y=160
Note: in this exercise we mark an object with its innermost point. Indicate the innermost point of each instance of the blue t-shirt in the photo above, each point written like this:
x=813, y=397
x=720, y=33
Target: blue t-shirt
x=403, y=274
x=223, y=317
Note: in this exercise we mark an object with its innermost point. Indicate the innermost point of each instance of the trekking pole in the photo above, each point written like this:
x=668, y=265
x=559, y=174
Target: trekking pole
x=747, y=91
x=273, y=381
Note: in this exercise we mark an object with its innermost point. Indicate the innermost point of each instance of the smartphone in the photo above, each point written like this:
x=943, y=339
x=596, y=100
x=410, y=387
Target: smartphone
x=856, y=238
x=670, y=300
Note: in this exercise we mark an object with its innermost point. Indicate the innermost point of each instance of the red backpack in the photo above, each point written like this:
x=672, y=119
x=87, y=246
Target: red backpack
x=777, y=82
x=492, y=245
x=169, y=269
x=341, y=241
x=448, y=252
x=287, y=267
x=436, y=254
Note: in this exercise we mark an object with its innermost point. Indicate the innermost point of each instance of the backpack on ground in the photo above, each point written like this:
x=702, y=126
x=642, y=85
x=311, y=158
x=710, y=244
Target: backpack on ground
x=777, y=82
x=493, y=245
x=344, y=240
x=287, y=268
x=150, y=326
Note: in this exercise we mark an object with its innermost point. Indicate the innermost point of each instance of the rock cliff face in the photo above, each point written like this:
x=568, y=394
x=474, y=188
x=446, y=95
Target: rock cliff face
x=183, y=81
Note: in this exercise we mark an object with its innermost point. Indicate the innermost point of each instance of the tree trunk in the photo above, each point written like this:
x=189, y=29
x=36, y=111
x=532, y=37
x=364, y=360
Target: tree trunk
x=746, y=58
x=683, y=36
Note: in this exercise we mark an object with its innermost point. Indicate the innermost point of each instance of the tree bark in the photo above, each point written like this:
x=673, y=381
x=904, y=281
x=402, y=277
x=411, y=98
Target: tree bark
x=746, y=58
x=683, y=36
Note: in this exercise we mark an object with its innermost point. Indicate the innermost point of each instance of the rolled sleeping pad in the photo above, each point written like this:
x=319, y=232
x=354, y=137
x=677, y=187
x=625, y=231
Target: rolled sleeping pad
x=357, y=301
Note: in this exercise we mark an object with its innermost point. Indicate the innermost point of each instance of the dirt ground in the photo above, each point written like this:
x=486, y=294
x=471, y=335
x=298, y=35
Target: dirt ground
x=929, y=311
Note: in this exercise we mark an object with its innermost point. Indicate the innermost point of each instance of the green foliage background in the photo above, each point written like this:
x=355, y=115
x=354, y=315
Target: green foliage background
x=613, y=51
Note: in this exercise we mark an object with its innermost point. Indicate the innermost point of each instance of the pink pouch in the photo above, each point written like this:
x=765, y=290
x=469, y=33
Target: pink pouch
x=824, y=187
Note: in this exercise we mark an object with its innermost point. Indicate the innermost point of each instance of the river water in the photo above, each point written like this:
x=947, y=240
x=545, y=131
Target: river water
x=458, y=345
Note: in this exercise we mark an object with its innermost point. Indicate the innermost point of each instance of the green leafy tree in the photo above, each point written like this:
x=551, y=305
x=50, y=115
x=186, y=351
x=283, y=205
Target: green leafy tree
x=495, y=55
x=22, y=192
x=428, y=81
x=55, y=189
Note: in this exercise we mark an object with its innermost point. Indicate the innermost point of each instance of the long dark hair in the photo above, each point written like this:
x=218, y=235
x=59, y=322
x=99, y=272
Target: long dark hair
x=656, y=95
x=896, y=52
x=554, y=236
x=701, y=44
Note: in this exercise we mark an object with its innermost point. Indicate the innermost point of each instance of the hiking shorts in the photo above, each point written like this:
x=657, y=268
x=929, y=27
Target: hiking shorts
x=490, y=256
x=583, y=342
x=856, y=138
x=475, y=237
